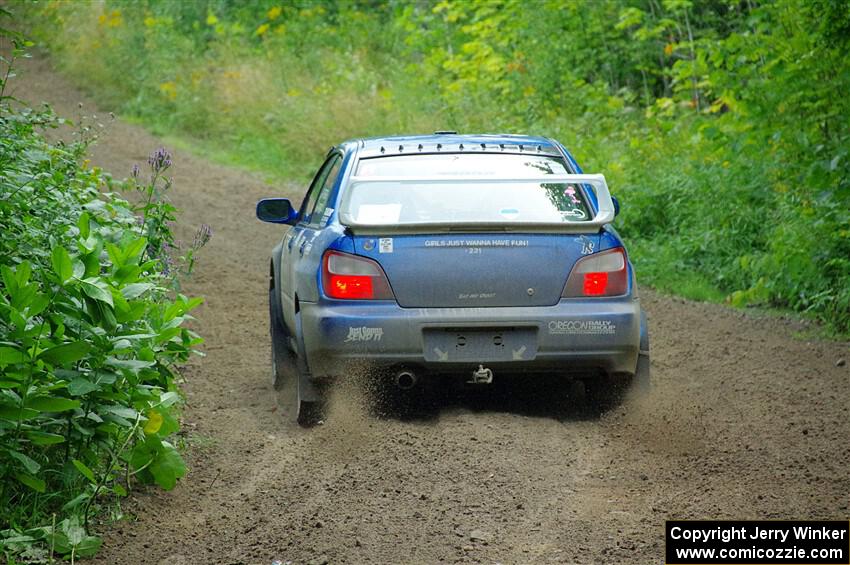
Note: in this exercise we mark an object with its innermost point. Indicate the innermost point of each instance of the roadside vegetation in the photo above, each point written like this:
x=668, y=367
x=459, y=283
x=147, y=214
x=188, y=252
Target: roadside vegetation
x=92, y=330
x=720, y=124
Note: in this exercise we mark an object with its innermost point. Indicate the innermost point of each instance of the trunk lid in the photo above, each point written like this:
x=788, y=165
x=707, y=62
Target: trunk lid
x=451, y=270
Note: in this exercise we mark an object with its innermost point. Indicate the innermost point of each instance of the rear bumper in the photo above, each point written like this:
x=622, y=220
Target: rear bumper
x=575, y=335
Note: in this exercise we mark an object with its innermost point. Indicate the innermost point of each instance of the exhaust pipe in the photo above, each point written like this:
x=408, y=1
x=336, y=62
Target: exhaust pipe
x=405, y=380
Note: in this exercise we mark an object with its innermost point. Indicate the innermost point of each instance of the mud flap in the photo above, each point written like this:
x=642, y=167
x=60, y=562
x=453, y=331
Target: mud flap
x=641, y=382
x=283, y=360
x=644, y=334
x=309, y=398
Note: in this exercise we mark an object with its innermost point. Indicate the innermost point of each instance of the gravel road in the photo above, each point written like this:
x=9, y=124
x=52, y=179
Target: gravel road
x=747, y=420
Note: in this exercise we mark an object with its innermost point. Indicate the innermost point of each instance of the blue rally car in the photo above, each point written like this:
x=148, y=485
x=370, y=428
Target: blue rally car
x=446, y=254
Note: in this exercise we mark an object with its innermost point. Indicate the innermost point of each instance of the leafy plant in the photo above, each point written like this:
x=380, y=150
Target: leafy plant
x=91, y=335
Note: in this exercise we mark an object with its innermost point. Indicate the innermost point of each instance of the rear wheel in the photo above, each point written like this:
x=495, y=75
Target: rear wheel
x=607, y=391
x=296, y=407
x=308, y=412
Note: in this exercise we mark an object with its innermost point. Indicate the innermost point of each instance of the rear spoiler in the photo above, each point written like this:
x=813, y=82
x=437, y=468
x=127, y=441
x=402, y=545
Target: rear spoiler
x=604, y=210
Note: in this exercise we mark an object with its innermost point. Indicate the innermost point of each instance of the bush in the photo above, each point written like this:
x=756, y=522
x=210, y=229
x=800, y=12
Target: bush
x=91, y=335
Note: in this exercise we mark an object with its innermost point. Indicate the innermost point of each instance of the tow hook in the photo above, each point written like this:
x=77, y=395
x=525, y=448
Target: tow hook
x=482, y=376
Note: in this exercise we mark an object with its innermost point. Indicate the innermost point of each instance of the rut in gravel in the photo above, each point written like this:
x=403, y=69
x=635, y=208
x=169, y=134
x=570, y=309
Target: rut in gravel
x=745, y=421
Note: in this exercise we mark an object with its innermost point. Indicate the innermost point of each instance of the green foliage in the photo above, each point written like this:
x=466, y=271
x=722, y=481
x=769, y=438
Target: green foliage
x=91, y=335
x=721, y=125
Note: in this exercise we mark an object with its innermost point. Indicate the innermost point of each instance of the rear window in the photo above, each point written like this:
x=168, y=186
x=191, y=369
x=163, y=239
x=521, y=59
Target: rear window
x=392, y=199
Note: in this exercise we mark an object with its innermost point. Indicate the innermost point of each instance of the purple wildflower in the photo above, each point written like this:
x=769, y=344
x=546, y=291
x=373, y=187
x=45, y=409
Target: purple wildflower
x=160, y=160
x=203, y=236
x=166, y=265
x=135, y=171
x=167, y=261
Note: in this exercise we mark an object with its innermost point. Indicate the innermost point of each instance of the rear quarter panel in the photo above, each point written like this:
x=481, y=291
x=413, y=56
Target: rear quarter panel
x=308, y=266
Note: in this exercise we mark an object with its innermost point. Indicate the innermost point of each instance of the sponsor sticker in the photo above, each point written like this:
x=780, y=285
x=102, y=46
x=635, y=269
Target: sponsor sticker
x=385, y=245
x=582, y=327
x=364, y=333
x=574, y=213
x=476, y=243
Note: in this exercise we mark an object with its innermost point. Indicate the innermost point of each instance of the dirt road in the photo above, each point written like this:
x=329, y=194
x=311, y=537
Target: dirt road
x=745, y=422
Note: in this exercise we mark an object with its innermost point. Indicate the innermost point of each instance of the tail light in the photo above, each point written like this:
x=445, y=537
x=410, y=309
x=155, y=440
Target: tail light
x=351, y=277
x=600, y=274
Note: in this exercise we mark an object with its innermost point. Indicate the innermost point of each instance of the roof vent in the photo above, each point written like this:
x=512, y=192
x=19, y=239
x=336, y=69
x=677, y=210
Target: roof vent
x=439, y=146
x=401, y=148
x=444, y=132
x=382, y=149
x=521, y=148
x=483, y=146
x=420, y=147
x=461, y=146
x=539, y=148
x=502, y=146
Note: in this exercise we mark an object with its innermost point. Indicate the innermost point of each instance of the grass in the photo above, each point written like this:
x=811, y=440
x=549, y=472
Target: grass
x=255, y=155
x=687, y=285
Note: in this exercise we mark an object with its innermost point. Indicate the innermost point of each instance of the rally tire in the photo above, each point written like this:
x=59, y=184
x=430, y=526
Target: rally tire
x=309, y=413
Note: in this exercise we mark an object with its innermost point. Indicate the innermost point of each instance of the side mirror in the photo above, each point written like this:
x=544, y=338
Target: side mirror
x=276, y=211
x=616, y=205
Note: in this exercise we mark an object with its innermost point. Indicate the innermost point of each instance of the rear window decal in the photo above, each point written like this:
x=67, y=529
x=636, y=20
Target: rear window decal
x=476, y=243
x=378, y=214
